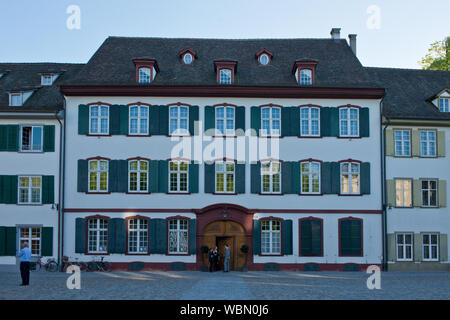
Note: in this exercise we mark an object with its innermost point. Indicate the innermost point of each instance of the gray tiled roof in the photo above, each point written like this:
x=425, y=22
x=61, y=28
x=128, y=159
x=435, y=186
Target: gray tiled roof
x=408, y=92
x=27, y=77
x=112, y=64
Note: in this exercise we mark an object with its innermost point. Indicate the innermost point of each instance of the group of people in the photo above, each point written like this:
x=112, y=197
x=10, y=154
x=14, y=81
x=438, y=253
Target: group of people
x=214, y=258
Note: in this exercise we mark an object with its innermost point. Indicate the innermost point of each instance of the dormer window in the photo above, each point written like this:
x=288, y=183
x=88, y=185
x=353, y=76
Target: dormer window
x=225, y=71
x=47, y=79
x=146, y=70
x=444, y=104
x=17, y=99
x=304, y=71
x=188, y=56
x=264, y=56
x=187, y=59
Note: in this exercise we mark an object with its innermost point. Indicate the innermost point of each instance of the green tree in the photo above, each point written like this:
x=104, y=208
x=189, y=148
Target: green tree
x=438, y=56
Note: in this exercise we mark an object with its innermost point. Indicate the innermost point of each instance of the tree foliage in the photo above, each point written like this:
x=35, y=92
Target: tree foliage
x=438, y=56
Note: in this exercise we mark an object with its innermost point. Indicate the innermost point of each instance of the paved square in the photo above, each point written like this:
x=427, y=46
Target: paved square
x=234, y=285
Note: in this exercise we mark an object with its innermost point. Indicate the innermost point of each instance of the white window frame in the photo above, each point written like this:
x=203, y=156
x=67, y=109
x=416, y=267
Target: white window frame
x=226, y=173
x=99, y=233
x=305, y=79
x=402, y=141
x=428, y=142
x=309, y=121
x=138, y=118
x=271, y=174
x=187, y=61
x=404, y=192
x=271, y=234
x=444, y=104
x=179, y=232
x=348, y=120
x=349, y=175
x=271, y=120
x=403, y=246
x=99, y=118
x=428, y=190
x=29, y=189
x=16, y=94
x=142, y=235
x=98, y=173
x=178, y=173
x=30, y=239
x=429, y=246
x=143, y=76
x=225, y=76
x=310, y=177
x=139, y=172
x=266, y=62
x=225, y=119
x=178, y=118
x=31, y=138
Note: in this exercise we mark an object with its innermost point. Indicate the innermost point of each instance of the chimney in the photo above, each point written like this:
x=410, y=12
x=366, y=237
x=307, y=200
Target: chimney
x=352, y=40
x=335, y=33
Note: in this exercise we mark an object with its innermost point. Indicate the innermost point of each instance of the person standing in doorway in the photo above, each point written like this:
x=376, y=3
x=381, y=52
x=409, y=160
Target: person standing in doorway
x=211, y=260
x=226, y=261
x=216, y=259
x=25, y=257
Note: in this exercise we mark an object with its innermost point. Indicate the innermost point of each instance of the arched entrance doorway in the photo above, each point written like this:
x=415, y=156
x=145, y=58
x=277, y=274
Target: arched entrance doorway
x=223, y=232
x=225, y=223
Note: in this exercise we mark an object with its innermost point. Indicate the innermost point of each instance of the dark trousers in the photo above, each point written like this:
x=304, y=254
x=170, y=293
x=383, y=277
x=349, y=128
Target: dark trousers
x=25, y=272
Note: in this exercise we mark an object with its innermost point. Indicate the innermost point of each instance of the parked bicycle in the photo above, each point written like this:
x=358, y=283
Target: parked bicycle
x=101, y=265
x=67, y=263
x=51, y=265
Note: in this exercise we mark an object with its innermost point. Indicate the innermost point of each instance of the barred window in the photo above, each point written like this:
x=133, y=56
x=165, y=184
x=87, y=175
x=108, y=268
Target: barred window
x=178, y=236
x=98, y=175
x=178, y=176
x=270, y=237
x=138, y=236
x=97, y=235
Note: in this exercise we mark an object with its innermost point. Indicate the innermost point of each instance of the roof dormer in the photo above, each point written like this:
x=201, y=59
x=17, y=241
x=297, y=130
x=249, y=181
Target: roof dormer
x=225, y=71
x=18, y=98
x=47, y=79
x=264, y=56
x=442, y=100
x=305, y=71
x=188, y=56
x=146, y=70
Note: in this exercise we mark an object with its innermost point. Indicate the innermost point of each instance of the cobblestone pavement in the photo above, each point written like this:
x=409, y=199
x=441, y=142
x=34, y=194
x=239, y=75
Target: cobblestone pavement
x=234, y=285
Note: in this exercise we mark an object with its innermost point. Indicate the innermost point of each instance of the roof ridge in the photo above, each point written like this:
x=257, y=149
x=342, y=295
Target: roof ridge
x=221, y=39
x=404, y=69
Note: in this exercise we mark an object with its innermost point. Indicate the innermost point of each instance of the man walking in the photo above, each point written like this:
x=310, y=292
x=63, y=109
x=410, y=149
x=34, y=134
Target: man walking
x=25, y=256
x=226, y=262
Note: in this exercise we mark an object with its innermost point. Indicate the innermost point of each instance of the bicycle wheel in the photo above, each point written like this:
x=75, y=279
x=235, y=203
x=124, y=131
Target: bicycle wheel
x=92, y=266
x=52, y=266
x=83, y=266
x=107, y=266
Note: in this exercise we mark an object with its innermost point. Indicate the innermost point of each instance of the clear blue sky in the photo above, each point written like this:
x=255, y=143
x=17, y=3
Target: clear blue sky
x=35, y=31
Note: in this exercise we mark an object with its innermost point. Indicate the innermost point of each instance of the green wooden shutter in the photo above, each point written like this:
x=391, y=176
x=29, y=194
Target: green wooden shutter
x=345, y=237
x=158, y=236
x=364, y=123
x=350, y=237
x=391, y=247
x=390, y=192
x=256, y=237
x=2, y=190
x=325, y=124
x=287, y=237
x=80, y=235
x=255, y=172
x=114, y=119
x=415, y=143
x=417, y=193
x=112, y=235
x=441, y=143
x=8, y=189
x=122, y=176
x=210, y=120
x=295, y=177
x=2, y=241
x=325, y=178
x=442, y=186
x=154, y=120
x=365, y=178
x=255, y=119
x=3, y=137
x=193, y=236
x=82, y=181
x=286, y=177
x=193, y=117
x=210, y=171
x=417, y=247
x=11, y=241
x=334, y=122
x=13, y=138
x=443, y=247
x=163, y=120
x=286, y=122
x=305, y=238
x=83, y=119
x=335, y=178
x=48, y=189
x=193, y=177
x=356, y=237
x=316, y=237
x=389, y=142
x=153, y=175
x=49, y=139
x=123, y=120
x=117, y=235
x=240, y=121
x=295, y=121
x=240, y=178
x=113, y=176
x=163, y=176
x=47, y=242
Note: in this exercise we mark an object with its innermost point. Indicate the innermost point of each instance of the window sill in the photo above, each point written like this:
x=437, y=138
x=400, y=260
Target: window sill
x=311, y=194
x=309, y=137
x=137, y=192
x=98, y=135
x=349, y=137
x=271, y=194
x=224, y=193
x=310, y=256
x=179, y=193
x=177, y=254
x=271, y=255
x=94, y=192
x=139, y=135
x=97, y=254
x=30, y=204
x=137, y=254
x=350, y=195
x=30, y=151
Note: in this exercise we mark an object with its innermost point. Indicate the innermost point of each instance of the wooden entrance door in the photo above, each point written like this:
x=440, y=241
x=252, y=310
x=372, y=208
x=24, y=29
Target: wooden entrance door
x=221, y=242
x=218, y=233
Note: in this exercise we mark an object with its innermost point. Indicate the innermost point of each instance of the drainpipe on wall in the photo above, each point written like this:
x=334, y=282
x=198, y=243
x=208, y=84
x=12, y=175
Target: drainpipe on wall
x=59, y=116
x=384, y=193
